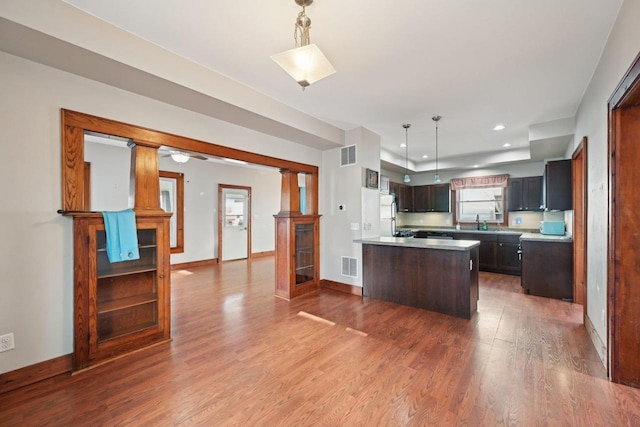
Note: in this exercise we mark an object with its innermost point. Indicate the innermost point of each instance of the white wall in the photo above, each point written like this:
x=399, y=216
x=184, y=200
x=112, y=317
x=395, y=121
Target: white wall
x=201, y=179
x=36, y=251
x=110, y=176
x=344, y=185
x=591, y=121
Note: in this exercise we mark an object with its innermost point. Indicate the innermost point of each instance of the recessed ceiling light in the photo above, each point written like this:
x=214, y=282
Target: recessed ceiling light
x=475, y=166
x=403, y=145
x=425, y=156
x=506, y=144
x=498, y=127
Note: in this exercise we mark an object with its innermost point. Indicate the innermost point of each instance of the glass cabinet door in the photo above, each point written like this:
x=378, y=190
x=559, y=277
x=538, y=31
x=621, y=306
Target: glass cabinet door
x=304, y=253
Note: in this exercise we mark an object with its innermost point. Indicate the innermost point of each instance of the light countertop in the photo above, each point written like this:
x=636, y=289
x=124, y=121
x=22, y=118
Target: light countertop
x=525, y=234
x=546, y=237
x=409, y=242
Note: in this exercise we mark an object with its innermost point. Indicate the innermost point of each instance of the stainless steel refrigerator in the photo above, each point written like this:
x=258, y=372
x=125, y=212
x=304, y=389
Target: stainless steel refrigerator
x=388, y=212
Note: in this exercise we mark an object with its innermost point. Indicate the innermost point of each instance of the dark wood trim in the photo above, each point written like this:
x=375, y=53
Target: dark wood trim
x=87, y=185
x=623, y=301
x=579, y=182
x=194, y=264
x=625, y=93
x=74, y=124
x=221, y=205
x=31, y=374
x=342, y=287
x=262, y=254
x=179, y=209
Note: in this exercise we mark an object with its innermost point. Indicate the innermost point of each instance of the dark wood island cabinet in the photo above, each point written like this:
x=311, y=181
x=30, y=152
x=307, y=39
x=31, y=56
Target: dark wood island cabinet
x=433, y=274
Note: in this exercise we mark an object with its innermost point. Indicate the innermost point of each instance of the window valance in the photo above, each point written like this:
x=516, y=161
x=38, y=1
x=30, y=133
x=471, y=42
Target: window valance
x=480, y=182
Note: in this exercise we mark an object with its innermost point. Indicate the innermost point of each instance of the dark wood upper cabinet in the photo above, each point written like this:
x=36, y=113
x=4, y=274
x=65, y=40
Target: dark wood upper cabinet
x=525, y=194
x=431, y=198
x=557, y=185
x=404, y=196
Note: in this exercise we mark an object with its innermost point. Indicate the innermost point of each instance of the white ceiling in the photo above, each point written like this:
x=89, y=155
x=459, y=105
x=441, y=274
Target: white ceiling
x=476, y=63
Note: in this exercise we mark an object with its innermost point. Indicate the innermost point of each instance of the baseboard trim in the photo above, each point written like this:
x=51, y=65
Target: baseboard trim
x=193, y=264
x=263, y=254
x=34, y=373
x=342, y=287
x=597, y=342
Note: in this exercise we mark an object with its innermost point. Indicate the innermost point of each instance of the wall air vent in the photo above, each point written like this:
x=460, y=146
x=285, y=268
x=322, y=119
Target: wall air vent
x=348, y=155
x=349, y=266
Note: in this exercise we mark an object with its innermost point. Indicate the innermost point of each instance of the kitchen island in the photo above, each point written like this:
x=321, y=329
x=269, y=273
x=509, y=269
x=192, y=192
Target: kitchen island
x=433, y=274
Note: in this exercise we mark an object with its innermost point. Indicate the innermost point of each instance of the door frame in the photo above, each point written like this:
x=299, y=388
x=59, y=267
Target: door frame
x=579, y=191
x=623, y=302
x=221, y=205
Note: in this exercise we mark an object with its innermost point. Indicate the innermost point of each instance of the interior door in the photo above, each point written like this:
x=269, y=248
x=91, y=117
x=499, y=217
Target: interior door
x=235, y=223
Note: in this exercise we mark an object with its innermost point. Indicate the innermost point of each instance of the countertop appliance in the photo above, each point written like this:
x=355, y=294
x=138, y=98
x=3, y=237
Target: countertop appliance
x=555, y=228
x=388, y=212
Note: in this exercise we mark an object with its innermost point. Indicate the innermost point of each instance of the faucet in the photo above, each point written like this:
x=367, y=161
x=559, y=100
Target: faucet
x=477, y=221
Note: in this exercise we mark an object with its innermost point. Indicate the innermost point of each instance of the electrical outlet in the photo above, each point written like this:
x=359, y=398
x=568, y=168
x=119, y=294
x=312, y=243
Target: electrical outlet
x=6, y=342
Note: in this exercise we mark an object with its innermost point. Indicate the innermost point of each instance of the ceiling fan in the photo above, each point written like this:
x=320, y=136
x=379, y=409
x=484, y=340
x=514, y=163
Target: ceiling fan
x=179, y=156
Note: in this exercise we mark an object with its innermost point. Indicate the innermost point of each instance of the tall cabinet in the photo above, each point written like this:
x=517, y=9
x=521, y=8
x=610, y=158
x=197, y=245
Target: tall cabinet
x=122, y=306
x=297, y=254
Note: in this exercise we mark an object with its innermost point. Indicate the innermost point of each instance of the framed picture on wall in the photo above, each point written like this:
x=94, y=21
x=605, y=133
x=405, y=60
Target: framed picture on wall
x=372, y=179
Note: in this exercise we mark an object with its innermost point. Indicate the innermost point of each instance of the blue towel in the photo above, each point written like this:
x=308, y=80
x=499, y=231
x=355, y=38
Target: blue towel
x=122, y=236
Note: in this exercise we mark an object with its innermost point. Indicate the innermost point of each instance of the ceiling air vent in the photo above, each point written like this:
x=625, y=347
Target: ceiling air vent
x=348, y=155
x=349, y=266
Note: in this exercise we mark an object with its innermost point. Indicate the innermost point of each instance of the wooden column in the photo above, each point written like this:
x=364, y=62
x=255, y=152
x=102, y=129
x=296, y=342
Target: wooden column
x=290, y=194
x=144, y=187
x=311, y=183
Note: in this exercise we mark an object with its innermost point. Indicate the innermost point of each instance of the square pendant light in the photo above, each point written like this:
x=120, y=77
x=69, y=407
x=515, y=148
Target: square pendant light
x=306, y=64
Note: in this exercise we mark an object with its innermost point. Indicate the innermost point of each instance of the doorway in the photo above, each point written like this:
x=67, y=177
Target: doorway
x=234, y=222
x=623, y=268
x=579, y=179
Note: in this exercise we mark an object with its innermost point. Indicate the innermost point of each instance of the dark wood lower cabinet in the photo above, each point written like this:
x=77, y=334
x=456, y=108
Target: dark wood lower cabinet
x=498, y=252
x=547, y=269
x=508, y=256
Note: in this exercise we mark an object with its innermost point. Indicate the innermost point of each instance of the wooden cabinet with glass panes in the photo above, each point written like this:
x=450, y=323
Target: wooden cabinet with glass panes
x=121, y=306
x=297, y=255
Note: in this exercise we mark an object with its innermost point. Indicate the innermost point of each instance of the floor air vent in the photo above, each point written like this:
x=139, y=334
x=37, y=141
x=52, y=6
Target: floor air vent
x=349, y=266
x=348, y=155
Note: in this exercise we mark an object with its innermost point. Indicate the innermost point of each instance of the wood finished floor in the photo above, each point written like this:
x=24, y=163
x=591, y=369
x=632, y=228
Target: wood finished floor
x=240, y=356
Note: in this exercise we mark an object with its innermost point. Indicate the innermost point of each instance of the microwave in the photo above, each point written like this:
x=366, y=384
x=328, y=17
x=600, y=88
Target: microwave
x=552, y=227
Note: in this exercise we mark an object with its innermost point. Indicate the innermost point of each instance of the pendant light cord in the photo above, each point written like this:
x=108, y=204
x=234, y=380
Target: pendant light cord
x=436, y=119
x=406, y=150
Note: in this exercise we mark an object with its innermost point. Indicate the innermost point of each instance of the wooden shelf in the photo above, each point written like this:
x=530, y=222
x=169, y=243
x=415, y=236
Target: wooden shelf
x=126, y=271
x=126, y=331
x=139, y=247
x=119, y=304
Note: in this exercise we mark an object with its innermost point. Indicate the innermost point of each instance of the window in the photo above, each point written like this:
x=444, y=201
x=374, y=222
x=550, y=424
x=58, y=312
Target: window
x=484, y=204
x=172, y=200
x=480, y=198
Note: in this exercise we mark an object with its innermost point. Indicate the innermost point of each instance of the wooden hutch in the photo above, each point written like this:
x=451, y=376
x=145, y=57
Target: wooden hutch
x=297, y=238
x=124, y=306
